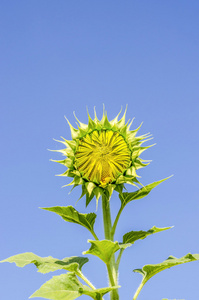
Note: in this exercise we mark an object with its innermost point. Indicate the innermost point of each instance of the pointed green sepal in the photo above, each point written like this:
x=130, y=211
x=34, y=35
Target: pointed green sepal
x=74, y=131
x=104, y=121
x=82, y=125
x=119, y=188
x=91, y=123
x=89, y=198
x=121, y=122
x=66, y=162
x=90, y=187
x=71, y=144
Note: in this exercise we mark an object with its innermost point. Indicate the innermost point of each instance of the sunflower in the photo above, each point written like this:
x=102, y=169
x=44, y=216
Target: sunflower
x=103, y=155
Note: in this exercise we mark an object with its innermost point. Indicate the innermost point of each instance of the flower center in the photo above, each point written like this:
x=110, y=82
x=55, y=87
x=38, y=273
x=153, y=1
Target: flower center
x=102, y=156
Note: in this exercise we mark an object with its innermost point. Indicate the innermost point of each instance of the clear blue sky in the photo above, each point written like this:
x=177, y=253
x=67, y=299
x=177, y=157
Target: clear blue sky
x=61, y=56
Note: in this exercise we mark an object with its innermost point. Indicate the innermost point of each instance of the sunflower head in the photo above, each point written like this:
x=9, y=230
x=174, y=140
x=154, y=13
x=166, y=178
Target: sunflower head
x=103, y=155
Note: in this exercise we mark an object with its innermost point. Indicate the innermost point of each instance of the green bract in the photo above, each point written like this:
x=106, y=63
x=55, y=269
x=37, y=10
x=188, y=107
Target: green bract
x=103, y=155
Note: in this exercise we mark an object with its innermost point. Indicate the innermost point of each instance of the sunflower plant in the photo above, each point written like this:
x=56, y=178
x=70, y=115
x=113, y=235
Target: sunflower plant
x=102, y=156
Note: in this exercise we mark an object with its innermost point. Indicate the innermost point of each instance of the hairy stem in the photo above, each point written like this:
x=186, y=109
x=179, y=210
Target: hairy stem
x=110, y=275
x=81, y=275
x=139, y=289
x=116, y=221
x=118, y=259
x=106, y=218
x=111, y=267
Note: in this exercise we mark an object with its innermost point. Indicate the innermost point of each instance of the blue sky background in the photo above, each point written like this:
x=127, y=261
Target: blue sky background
x=61, y=56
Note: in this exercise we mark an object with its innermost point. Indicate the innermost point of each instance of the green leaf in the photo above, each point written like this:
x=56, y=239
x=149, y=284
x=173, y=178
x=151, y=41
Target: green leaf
x=47, y=264
x=133, y=236
x=65, y=286
x=141, y=193
x=68, y=287
x=104, y=249
x=149, y=271
x=106, y=290
x=70, y=214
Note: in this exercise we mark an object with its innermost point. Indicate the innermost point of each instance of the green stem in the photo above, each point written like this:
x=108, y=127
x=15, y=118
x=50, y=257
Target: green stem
x=81, y=275
x=110, y=275
x=106, y=218
x=118, y=259
x=94, y=235
x=139, y=289
x=116, y=221
x=111, y=267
